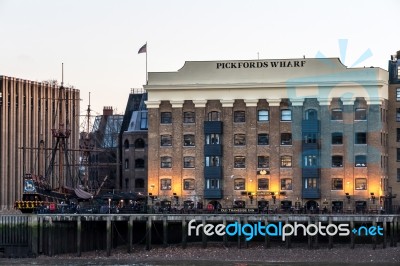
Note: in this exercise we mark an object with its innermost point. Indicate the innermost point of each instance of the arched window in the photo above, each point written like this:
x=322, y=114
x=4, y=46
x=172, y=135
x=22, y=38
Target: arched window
x=139, y=163
x=126, y=144
x=139, y=144
x=311, y=114
x=139, y=183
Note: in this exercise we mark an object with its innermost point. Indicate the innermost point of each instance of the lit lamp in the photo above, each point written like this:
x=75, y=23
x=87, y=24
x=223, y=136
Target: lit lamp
x=373, y=197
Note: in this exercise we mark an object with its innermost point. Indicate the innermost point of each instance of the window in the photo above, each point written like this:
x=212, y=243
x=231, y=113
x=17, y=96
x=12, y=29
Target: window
x=398, y=155
x=188, y=117
x=166, y=140
x=188, y=162
x=337, y=114
x=239, y=184
x=310, y=183
x=263, y=162
x=263, y=115
x=337, y=161
x=263, y=184
x=360, y=161
x=263, y=139
x=310, y=160
x=166, y=118
x=286, y=184
x=286, y=115
x=139, y=144
x=143, y=120
x=139, y=183
x=286, y=161
x=311, y=114
x=214, y=116
x=337, y=183
x=239, y=139
x=165, y=184
x=126, y=164
x=188, y=140
x=139, y=163
x=360, y=184
x=398, y=174
x=398, y=94
x=239, y=162
x=212, y=184
x=360, y=114
x=212, y=161
x=166, y=162
x=398, y=134
x=239, y=117
x=361, y=138
x=310, y=138
x=337, y=138
x=188, y=184
x=213, y=139
x=286, y=138
x=126, y=144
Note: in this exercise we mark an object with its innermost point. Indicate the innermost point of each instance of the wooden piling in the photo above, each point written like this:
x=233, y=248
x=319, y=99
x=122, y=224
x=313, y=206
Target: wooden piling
x=50, y=237
x=287, y=238
x=203, y=235
x=316, y=236
x=384, y=232
x=33, y=225
x=396, y=230
x=351, y=233
x=391, y=223
x=330, y=238
x=184, y=232
x=239, y=244
x=309, y=237
x=374, y=237
x=266, y=240
x=41, y=225
x=78, y=236
x=148, y=233
x=108, y=236
x=224, y=237
x=165, y=231
x=130, y=234
x=246, y=243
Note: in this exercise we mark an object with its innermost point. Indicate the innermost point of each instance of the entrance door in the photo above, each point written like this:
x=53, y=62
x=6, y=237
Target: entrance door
x=312, y=206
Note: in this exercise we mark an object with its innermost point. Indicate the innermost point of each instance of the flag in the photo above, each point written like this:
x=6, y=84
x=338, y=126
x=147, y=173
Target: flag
x=143, y=49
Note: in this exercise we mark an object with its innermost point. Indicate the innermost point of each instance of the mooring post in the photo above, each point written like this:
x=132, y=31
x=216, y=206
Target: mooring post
x=391, y=223
x=267, y=243
x=224, y=237
x=309, y=237
x=396, y=230
x=50, y=237
x=108, y=235
x=148, y=233
x=41, y=225
x=374, y=236
x=288, y=244
x=78, y=236
x=165, y=231
x=384, y=232
x=203, y=235
x=33, y=224
x=316, y=236
x=330, y=238
x=246, y=243
x=130, y=233
x=184, y=232
x=239, y=244
x=351, y=233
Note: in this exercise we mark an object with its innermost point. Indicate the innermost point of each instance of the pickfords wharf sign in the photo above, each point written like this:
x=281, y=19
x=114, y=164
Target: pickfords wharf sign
x=261, y=64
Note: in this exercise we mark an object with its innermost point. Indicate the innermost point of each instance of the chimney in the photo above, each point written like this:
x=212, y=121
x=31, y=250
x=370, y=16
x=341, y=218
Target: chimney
x=107, y=110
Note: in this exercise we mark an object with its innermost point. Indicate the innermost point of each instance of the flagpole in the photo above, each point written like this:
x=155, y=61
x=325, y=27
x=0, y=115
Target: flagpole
x=146, y=65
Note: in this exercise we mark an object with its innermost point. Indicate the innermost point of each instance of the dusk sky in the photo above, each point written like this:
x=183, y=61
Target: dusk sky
x=98, y=41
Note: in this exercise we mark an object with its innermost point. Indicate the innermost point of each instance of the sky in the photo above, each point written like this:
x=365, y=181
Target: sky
x=98, y=40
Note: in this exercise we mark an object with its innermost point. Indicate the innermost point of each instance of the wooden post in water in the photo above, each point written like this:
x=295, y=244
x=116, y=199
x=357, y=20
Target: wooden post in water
x=309, y=237
x=316, y=236
x=287, y=238
x=330, y=238
x=239, y=244
x=246, y=243
x=374, y=237
x=184, y=232
x=130, y=233
x=203, y=235
x=109, y=235
x=391, y=223
x=351, y=233
x=33, y=225
x=267, y=243
x=41, y=225
x=396, y=231
x=50, y=237
x=148, y=233
x=224, y=237
x=384, y=232
x=165, y=231
x=78, y=236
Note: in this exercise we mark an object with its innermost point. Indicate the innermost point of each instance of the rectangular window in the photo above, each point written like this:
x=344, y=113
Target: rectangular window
x=188, y=162
x=143, y=120
x=337, y=138
x=397, y=114
x=310, y=138
x=239, y=162
x=239, y=139
x=188, y=117
x=337, y=161
x=398, y=155
x=213, y=184
x=337, y=114
x=188, y=140
x=398, y=174
x=263, y=115
x=166, y=162
x=360, y=114
x=360, y=161
x=286, y=161
x=310, y=161
x=165, y=184
x=310, y=183
x=361, y=138
x=188, y=184
x=286, y=115
x=286, y=138
x=213, y=161
x=239, y=184
x=398, y=94
x=286, y=184
x=263, y=184
x=337, y=183
x=239, y=117
x=263, y=162
x=398, y=134
x=360, y=184
x=214, y=116
x=166, y=118
x=166, y=140
x=263, y=139
x=213, y=139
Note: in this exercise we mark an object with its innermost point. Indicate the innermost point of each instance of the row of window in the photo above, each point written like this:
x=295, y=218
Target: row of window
x=263, y=139
x=263, y=184
x=263, y=115
x=139, y=144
